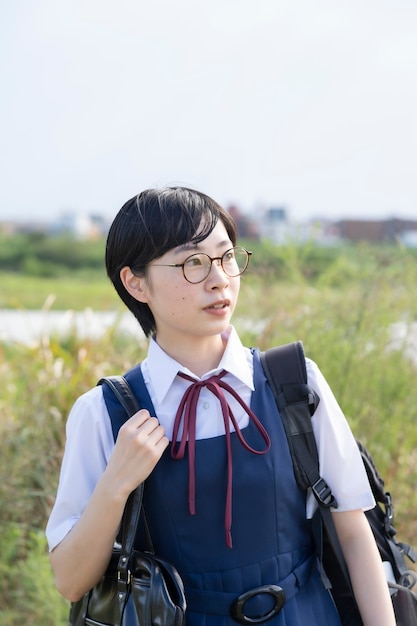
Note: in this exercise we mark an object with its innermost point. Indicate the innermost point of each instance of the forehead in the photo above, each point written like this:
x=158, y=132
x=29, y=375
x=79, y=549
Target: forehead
x=218, y=239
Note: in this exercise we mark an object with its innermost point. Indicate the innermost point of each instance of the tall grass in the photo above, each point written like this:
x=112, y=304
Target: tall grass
x=345, y=316
x=39, y=385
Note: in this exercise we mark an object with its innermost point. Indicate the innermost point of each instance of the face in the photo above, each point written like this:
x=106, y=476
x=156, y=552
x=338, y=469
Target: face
x=185, y=312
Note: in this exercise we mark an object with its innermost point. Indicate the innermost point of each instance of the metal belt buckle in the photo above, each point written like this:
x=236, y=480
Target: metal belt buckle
x=237, y=608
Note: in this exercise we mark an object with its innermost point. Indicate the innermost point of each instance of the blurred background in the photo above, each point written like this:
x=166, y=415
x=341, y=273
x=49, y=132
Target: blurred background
x=299, y=117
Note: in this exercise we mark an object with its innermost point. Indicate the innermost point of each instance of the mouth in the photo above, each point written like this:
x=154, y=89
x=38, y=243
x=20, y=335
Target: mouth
x=217, y=306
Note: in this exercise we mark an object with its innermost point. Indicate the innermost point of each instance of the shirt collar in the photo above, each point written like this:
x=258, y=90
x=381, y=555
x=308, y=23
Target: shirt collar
x=163, y=369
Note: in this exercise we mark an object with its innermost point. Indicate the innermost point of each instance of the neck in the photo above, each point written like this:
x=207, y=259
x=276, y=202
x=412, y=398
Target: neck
x=199, y=356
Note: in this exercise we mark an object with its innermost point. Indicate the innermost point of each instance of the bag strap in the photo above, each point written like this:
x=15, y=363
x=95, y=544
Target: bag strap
x=123, y=392
x=286, y=372
x=133, y=508
x=285, y=369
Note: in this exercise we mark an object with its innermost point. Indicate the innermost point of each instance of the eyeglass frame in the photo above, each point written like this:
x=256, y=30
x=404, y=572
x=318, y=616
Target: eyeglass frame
x=216, y=258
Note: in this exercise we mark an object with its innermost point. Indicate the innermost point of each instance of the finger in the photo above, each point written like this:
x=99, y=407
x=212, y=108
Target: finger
x=136, y=420
x=148, y=426
x=151, y=434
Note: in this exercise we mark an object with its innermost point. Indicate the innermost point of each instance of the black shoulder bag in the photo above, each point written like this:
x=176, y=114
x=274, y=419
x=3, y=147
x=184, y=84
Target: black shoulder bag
x=138, y=588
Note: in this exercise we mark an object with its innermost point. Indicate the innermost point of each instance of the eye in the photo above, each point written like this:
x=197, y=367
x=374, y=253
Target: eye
x=229, y=256
x=195, y=260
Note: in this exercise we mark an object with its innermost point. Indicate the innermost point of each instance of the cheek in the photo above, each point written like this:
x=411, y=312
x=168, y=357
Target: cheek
x=176, y=298
x=177, y=305
x=236, y=286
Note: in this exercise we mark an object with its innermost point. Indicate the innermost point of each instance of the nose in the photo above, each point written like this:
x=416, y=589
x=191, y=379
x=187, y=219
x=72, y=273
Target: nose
x=217, y=278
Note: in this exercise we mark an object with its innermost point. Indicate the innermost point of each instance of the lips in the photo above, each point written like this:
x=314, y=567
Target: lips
x=220, y=304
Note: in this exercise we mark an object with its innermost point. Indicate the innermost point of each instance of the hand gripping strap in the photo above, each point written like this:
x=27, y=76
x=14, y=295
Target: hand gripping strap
x=132, y=511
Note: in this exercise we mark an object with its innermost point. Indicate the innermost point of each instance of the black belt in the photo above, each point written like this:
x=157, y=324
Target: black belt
x=224, y=603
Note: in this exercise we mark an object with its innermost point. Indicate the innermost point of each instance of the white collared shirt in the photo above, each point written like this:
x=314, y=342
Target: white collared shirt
x=90, y=439
x=166, y=389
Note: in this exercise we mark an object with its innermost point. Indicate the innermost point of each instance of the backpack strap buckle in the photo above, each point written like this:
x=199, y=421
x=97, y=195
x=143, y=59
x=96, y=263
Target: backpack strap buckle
x=323, y=493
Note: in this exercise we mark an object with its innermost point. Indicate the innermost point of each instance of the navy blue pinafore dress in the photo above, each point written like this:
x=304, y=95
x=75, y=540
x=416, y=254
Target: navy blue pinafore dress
x=272, y=542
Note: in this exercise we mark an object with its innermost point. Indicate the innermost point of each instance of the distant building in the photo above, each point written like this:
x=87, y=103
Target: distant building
x=271, y=223
x=246, y=228
x=377, y=231
x=274, y=224
x=79, y=225
x=14, y=228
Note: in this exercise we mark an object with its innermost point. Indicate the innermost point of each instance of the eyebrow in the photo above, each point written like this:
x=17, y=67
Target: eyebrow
x=187, y=247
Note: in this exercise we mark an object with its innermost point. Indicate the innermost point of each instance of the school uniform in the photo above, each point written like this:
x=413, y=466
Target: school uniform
x=270, y=530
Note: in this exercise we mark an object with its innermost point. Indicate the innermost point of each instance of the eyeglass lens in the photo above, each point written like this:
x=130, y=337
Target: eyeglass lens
x=198, y=266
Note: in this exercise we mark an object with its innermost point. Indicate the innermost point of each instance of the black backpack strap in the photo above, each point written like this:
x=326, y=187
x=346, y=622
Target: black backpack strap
x=285, y=369
x=123, y=392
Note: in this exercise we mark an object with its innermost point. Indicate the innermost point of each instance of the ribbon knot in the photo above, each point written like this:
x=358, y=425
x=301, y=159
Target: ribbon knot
x=186, y=414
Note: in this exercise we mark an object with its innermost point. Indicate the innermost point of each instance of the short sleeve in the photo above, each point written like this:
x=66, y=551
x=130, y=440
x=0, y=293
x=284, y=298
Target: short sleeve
x=340, y=461
x=89, y=444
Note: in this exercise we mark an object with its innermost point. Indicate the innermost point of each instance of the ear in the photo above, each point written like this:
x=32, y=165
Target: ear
x=134, y=285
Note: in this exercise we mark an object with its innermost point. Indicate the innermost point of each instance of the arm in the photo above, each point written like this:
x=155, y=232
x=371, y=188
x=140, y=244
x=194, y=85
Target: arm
x=365, y=568
x=81, y=558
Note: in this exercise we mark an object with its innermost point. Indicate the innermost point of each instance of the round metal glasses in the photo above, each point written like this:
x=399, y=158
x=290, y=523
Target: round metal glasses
x=197, y=267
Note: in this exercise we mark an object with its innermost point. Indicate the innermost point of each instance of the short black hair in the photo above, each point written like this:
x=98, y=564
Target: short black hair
x=150, y=224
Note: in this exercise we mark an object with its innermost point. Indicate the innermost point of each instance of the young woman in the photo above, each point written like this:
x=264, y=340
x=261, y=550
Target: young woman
x=221, y=499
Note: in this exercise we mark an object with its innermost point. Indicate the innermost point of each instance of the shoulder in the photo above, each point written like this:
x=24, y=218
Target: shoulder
x=88, y=414
x=313, y=370
x=316, y=379
x=91, y=400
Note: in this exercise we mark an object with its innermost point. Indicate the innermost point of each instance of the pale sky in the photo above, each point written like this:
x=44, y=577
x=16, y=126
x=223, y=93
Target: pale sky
x=306, y=104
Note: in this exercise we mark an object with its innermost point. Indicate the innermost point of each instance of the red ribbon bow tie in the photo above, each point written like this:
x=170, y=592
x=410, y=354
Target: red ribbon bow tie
x=186, y=414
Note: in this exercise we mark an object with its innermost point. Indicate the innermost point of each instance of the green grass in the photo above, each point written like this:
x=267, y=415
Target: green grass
x=344, y=315
x=71, y=291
